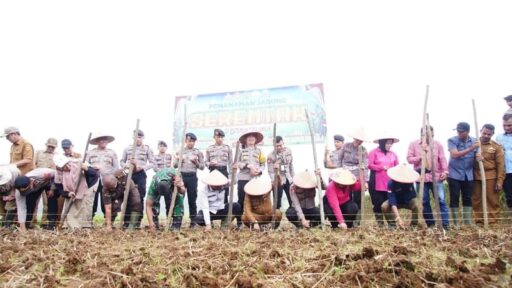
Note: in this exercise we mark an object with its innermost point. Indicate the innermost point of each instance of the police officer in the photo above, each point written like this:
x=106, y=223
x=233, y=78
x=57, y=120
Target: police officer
x=219, y=157
x=283, y=161
x=162, y=159
x=193, y=159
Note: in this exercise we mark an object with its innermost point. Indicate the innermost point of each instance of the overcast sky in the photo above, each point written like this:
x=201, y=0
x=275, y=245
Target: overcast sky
x=68, y=68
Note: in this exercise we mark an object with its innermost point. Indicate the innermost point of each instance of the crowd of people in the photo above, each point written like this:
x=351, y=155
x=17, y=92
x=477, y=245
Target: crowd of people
x=70, y=185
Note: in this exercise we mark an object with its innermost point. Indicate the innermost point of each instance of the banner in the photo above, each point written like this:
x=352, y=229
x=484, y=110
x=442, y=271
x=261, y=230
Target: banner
x=240, y=112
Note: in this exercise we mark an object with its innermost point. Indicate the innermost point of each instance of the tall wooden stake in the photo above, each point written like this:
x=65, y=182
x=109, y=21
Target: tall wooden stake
x=482, y=171
x=130, y=173
x=437, y=206
x=276, y=179
x=423, y=156
x=234, y=169
x=318, y=179
x=362, y=180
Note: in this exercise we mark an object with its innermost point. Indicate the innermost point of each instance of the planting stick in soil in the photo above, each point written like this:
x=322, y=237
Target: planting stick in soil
x=318, y=179
x=130, y=173
x=421, y=190
x=482, y=171
x=276, y=179
x=362, y=181
x=433, y=171
x=178, y=170
x=234, y=169
x=66, y=211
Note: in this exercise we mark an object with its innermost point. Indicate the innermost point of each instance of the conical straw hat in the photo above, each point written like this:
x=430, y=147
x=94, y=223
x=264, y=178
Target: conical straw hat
x=305, y=179
x=403, y=173
x=258, y=186
x=359, y=134
x=343, y=176
x=215, y=178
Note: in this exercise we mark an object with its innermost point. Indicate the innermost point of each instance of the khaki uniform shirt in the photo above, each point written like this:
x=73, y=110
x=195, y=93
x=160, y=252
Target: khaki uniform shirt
x=220, y=155
x=494, y=162
x=44, y=159
x=23, y=150
x=162, y=161
x=144, y=156
x=259, y=205
x=349, y=158
x=188, y=155
x=286, y=170
x=335, y=157
x=105, y=158
x=250, y=157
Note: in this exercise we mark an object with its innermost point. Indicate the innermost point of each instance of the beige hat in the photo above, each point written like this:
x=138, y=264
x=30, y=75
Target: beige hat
x=215, y=178
x=100, y=135
x=60, y=160
x=257, y=135
x=5, y=175
x=359, y=134
x=343, y=176
x=258, y=186
x=305, y=179
x=10, y=130
x=403, y=173
x=385, y=135
x=52, y=142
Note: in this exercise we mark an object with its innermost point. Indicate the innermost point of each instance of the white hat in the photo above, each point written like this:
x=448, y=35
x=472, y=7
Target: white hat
x=5, y=175
x=359, y=134
x=258, y=186
x=215, y=178
x=343, y=176
x=385, y=135
x=99, y=135
x=60, y=160
x=305, y=179
x=403, y=173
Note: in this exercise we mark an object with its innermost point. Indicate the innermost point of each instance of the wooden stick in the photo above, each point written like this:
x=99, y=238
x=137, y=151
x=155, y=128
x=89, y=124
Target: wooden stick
x=437, y=207
x=130, y=173
x=70, y=203
x=276, y=179
x=482, y=171
x=423, y=155
x=362, y=180
x=234, y=169
x=318, y=179
x=178, y=170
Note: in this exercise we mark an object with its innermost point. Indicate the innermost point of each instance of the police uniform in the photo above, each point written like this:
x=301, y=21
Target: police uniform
x=286, y=173
x=108, y=162
x=219, y=157
x=250, y=156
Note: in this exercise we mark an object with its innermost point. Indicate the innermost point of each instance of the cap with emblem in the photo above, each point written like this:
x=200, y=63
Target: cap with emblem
x=339, y=138
x=52, y=142
x=140, y=133
x=162, y=143
x=218, y=132
x=191, y=136
x=462, y=127
x=66, y=143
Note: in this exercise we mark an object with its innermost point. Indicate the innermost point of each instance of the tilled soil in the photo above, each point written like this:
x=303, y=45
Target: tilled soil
x=469, y=257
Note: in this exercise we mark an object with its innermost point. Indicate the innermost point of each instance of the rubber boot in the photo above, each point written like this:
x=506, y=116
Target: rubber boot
x=467, y=215
x=379, y=218
x=455, y=216
x=134, y=220
x=176, y=224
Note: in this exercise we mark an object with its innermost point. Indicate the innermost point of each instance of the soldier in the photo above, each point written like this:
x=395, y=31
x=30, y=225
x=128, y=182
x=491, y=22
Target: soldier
x=44, y=159
x=284, y=164
x=258, y=204
x=103, y=160
x=303, y=213
x=113, y=196
x=332, y=159
x=219, y=157
x=163, y=183
x=31, y=186
x=251, y=162
x=143, y=159
x=162, y=159
x=494, y=170
x=213, y=203
x=22, y=154
x=14, y=203
x=67, y=146
x=193, y=159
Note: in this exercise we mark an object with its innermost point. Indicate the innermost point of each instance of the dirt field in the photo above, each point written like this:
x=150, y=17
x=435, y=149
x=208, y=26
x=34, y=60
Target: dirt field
x=287, y=258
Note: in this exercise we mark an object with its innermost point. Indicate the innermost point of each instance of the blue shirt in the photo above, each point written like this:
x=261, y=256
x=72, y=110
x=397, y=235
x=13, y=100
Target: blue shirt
x=505, y=140
x=461, y=168
x=400, y=193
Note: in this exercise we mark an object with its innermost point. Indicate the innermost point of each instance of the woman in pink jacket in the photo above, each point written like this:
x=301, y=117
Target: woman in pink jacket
x=380, y=160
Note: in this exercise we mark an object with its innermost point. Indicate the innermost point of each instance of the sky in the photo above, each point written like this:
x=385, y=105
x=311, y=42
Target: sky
x=68, y=68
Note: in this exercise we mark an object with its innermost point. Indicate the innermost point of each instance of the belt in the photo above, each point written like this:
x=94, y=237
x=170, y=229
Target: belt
x=188, y=174
x=212, y=167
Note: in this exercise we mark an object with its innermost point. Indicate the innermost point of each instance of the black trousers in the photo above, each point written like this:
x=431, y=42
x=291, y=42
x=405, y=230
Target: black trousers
x=286, y=188
x=190, y=181
x=53, y=210
x=241, y=193
x=348, y=209
x=164, y=190
x=312, y=214
x=31, y=200
x=224, y=171
x=98, y=195
x=139, y=178
x=221, y=214
x=507, y=188
x=456, y=187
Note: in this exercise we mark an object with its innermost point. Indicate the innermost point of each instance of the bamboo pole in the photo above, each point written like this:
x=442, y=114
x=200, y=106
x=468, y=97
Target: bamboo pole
x=437, y=206
x=362, y=181
x=318, y=179
x=178, y=170
x=482, y=171
x=276, y=178
x=130, y=173
x=234, y=169
x=421, y=190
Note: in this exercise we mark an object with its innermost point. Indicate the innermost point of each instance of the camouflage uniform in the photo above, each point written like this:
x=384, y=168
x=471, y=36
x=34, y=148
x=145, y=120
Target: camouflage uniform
x=154, y=193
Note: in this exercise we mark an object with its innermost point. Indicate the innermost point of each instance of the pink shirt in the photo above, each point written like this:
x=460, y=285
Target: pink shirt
x=414, y=158
x=377, y=160
x=339, y=196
